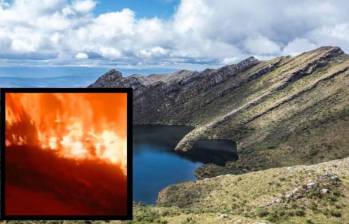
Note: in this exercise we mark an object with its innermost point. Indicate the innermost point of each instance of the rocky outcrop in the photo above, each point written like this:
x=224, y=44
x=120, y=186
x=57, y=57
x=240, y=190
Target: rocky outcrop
x=283, y=111
x=165, y=98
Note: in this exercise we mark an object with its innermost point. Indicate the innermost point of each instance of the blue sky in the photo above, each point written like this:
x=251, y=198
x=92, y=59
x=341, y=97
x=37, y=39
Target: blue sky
x=170, y=34
x=147, y=8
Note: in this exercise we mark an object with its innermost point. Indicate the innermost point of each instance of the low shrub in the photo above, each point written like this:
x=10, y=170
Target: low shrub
x=262, y=212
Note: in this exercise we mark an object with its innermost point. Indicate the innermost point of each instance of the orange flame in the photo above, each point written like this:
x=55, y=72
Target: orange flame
x=74, y=125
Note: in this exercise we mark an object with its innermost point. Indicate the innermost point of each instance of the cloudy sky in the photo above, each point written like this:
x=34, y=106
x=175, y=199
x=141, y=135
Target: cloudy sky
x=169, y=33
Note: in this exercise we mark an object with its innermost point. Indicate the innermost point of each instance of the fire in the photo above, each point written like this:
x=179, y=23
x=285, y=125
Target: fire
x=73, y=125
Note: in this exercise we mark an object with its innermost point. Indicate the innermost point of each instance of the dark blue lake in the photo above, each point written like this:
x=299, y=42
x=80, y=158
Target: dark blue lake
x=156, y=165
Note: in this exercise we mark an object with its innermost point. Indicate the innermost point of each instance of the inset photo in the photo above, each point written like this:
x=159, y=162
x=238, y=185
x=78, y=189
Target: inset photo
x=66, y=153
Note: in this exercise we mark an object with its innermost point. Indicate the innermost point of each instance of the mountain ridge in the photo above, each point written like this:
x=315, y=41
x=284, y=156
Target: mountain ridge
x=277, y=109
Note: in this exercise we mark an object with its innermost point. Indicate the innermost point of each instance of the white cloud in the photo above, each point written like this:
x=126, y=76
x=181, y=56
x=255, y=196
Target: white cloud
x=81, y=55
x=84, y=6
x=261, y=45
x=153, y=52
x=109, y=52
x=200, y=31
x=298, y=46
x=228, y=61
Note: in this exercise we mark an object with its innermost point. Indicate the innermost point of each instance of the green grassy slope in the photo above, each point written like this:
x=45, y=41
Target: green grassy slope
x=300, y=194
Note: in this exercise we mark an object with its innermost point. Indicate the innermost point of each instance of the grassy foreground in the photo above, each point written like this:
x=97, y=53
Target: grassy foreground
x=300, y=194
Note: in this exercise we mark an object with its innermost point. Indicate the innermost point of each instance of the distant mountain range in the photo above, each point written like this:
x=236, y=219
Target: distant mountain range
x=280, y=112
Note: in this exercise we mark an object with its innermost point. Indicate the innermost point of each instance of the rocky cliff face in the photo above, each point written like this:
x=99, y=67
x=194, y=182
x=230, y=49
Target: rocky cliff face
x=166, y=99
x=283, y=111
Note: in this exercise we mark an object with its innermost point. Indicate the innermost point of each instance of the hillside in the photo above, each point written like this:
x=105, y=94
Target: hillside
x=280, y=112
x=300, y=194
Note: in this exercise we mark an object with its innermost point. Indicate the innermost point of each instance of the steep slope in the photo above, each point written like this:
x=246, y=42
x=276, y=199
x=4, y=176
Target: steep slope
x=280, y=112
x=300, y=194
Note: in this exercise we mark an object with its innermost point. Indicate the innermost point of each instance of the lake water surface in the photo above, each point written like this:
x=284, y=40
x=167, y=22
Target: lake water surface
x=156, y=165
